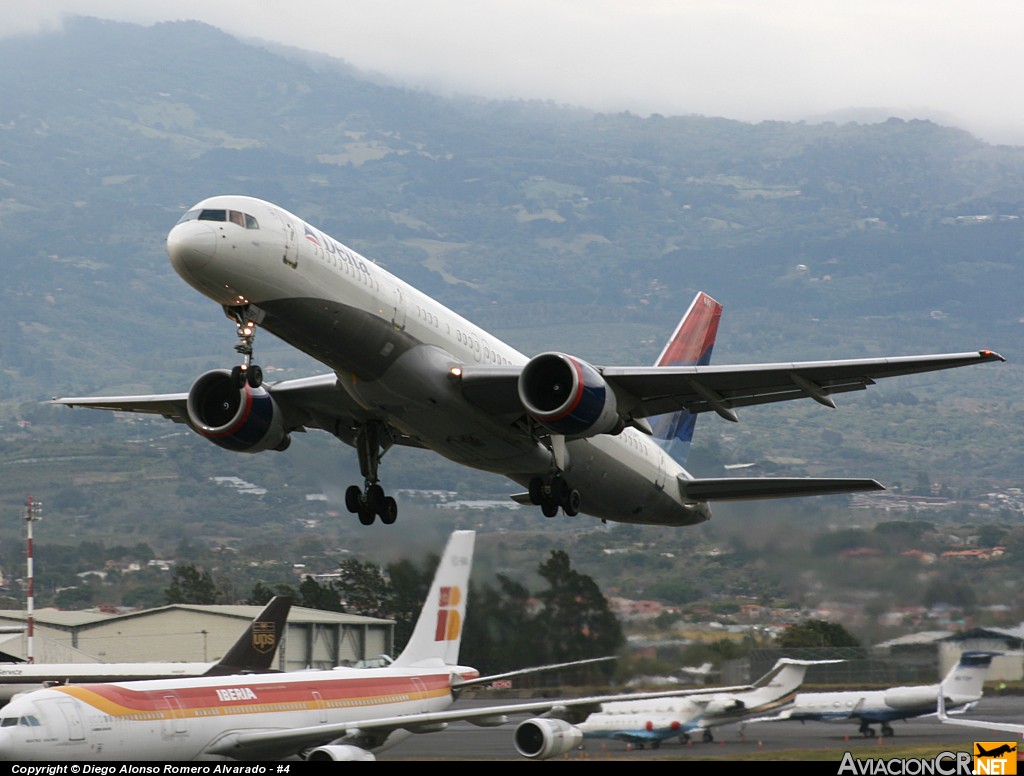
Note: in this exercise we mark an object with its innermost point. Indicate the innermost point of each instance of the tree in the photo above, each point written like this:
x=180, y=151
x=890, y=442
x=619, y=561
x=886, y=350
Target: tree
x=313, y=595
x=364, y=590
x=189, y=585
x=410, y=585
x=817, y=633
x=260, y=594
x=500, y=633
x=576, y=622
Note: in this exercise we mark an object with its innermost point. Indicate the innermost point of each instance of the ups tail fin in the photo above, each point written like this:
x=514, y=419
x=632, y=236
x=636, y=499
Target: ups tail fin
x=438, y=633
x=690, y=345
x=966, y=680
x=254, y=651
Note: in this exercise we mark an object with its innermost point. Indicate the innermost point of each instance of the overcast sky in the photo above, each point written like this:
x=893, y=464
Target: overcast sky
x=953, y=60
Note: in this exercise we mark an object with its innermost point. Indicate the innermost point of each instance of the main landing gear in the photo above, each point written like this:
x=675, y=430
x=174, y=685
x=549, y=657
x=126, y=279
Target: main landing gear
x=372, y=441
x=246, y=372
x=869, y=732
x=552, y=493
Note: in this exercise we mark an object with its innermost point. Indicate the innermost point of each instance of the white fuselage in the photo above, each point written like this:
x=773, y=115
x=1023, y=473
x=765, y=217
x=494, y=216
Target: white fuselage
x=21, y=677
x=392, y=346
x=195, y=719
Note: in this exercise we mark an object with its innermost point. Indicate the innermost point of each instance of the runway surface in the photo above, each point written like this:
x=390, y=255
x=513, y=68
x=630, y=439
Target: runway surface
x=463, y=741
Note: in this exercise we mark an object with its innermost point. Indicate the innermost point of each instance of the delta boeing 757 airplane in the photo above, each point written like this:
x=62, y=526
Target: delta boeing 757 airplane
x=608, y=441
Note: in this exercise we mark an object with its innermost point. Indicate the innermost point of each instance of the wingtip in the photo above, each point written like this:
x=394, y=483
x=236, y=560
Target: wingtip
x=990, y=355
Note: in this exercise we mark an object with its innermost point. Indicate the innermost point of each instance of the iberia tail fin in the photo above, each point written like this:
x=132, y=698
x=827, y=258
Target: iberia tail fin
x=690, y=345
x=438, y=633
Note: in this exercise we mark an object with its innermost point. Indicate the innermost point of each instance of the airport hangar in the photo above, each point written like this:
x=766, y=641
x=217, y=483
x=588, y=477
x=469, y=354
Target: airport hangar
x=190, y=633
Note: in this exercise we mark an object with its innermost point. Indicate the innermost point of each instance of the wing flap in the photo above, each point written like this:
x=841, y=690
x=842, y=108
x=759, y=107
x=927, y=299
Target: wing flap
x=743, y=488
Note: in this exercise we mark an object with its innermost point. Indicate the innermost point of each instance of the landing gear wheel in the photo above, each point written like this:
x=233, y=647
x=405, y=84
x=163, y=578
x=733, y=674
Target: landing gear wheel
x=549, y=508
x=375, y=498
x=537, y=491
x=237, y=377
x=887, y=731
x=560, y=490
x=366, y=517
x=708, y=737
x=353, y=497
x=655, y=744
x=390, y=512
x=571, y=505
x=254, y=376
x=867, y=732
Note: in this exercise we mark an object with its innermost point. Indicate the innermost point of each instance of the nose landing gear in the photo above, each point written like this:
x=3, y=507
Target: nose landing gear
x=245, y=319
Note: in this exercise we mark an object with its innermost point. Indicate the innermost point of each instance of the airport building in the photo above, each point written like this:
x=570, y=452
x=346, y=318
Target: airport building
x=190, y=633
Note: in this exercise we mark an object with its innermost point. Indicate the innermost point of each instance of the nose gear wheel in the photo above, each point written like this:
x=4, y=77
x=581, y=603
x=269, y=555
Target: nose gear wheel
x=245, y=319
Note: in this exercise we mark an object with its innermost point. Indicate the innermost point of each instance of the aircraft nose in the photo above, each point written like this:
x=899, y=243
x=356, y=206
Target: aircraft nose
x=190, y=246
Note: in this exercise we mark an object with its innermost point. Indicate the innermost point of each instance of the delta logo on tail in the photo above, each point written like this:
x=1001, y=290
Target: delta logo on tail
x=995, y=757
x=690, y=345
x=449, y=622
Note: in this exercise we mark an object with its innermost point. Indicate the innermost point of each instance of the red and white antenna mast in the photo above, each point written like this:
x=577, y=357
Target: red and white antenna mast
x=33, y=512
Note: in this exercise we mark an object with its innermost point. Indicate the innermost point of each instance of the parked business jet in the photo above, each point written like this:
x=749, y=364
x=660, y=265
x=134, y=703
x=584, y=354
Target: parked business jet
x=252, y=653
x=406, y=370
x=337, y=714
x=652, y=721
x=961, y=689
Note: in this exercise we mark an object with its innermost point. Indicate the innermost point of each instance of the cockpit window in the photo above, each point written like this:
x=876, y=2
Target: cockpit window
x=9, y=721
x=211, y=214
x=29, y=721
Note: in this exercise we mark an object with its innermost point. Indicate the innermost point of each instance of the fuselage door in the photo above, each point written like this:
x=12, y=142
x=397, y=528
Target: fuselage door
x=320, y=706
x=659, y=464
x=291, y=244
x=76, y=731
x=175, y=724
x=398, y=319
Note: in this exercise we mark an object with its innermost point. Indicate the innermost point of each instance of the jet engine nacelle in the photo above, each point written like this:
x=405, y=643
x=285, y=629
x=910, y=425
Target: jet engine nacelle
x=541, y=738
x=723, y=706
x=911, y=697
x=568, y=396
x=246, y=419
x=342, y=753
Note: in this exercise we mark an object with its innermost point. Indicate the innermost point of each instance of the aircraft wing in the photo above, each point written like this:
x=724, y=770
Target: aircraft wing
x=649, y=391
x=659, y=390
x=743, y=488
x=264, y=743
x=309, y=402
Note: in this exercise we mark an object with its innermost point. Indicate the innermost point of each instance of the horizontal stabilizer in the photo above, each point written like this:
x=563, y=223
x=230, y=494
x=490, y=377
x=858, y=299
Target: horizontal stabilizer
x=742, y=488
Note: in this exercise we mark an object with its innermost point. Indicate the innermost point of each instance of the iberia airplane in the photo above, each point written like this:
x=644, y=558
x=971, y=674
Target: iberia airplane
x=336, y=714
x=406, y=370
x=253, y=652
